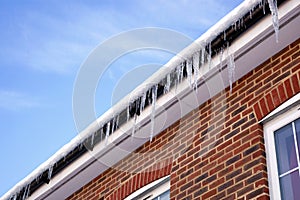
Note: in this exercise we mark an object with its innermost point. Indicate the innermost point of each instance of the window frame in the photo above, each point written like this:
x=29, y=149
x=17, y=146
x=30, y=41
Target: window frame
x=285, y=114
x=151, y=190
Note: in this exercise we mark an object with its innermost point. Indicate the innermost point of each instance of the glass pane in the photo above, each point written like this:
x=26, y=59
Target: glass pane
x=164, y=196
x=285, y=149
x=297, y=124
x=289, y=186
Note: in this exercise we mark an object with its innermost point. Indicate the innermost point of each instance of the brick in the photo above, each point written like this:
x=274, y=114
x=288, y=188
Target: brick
x=244, y=190
x=252, y=164
x=232, y=133
x=254, y=178
x=235, y=188
x=258, y=111
x=225, y=185
x=275, y=97
x=202, y=177
x=288, y=88
x=233, y=160
x=186, y=186
x=263, y=107
x=250, y=150
x=210, y=179
x=233, y=174
x=243, y=176
x=295, y=84
x=201, y=191
x=255, y=193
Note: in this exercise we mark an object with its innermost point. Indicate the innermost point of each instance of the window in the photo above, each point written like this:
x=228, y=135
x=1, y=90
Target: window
x=157, y=190
x=282, y=137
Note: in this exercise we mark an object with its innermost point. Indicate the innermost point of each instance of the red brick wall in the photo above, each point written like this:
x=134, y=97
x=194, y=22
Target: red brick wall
x=217, y=150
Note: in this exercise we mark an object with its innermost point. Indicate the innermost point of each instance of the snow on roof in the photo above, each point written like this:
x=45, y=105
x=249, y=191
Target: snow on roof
x=229, y=20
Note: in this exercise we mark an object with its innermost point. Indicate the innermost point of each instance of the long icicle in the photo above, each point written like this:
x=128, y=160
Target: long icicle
x=189, y=69
x=107, y=133
x=231, y=68
x=168, y=84
x=154, y=96
x=274, y=11
x=196, y=60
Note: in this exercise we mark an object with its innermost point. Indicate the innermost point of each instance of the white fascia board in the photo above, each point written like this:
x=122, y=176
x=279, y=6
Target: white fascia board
x=250, y=49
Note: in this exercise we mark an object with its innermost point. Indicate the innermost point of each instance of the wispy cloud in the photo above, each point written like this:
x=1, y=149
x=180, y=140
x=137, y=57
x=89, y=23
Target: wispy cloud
x=60, y=41
x=14, y=101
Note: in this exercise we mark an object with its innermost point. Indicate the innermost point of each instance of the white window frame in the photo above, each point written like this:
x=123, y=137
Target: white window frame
x=283, y=115
x=151, y=190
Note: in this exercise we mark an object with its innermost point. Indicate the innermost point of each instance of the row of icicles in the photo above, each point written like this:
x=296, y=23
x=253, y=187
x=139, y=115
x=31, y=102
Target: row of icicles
x=189, y=69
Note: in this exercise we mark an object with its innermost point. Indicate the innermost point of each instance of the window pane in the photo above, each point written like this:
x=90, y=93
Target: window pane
x=285, y=149
x=165, y=196
x=297, y=124
x=289, y=186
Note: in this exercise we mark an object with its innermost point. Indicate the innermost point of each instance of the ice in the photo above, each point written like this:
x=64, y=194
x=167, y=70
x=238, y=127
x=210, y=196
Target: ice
x=219, y=28
x=202, y=56
x=50, y=170
x=117, y=121
x=26, y=192
x=209, y=55
x=196, y=58
x=189, y=69
x=274, y=11
x=128, y=112
x=168, y=84
x=154, y=97
x=92, y=139
x=143, y=100
x=133, y=126
x=113, y=124
x=181, y=72
x=221, y=58
x=107, y=133
x=231, y=68
x=177, y=76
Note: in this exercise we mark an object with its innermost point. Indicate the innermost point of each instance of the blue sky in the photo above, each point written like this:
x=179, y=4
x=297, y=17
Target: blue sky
x=44, y=43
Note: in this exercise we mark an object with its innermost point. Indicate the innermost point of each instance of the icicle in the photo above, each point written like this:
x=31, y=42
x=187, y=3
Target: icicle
x=231, y=68
x=117, y=121
x=50, y=170
x=177, y=71
x=15, y=197
x=107, y=132
x=202, y=56
x=209, y=55
x=274, y=12
x=224, y=35
x=143, y=100
x=168, y=84
x=264, y=7
x=189, y=69
x=113, y=125
x=133, y=126
x=221, y=59
x=181, y=72
x=196, y=58
x=101, y=133
x=251, y=14
x=26, y=192
x=92, y=139
x=154, y=96
x=128, y=112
